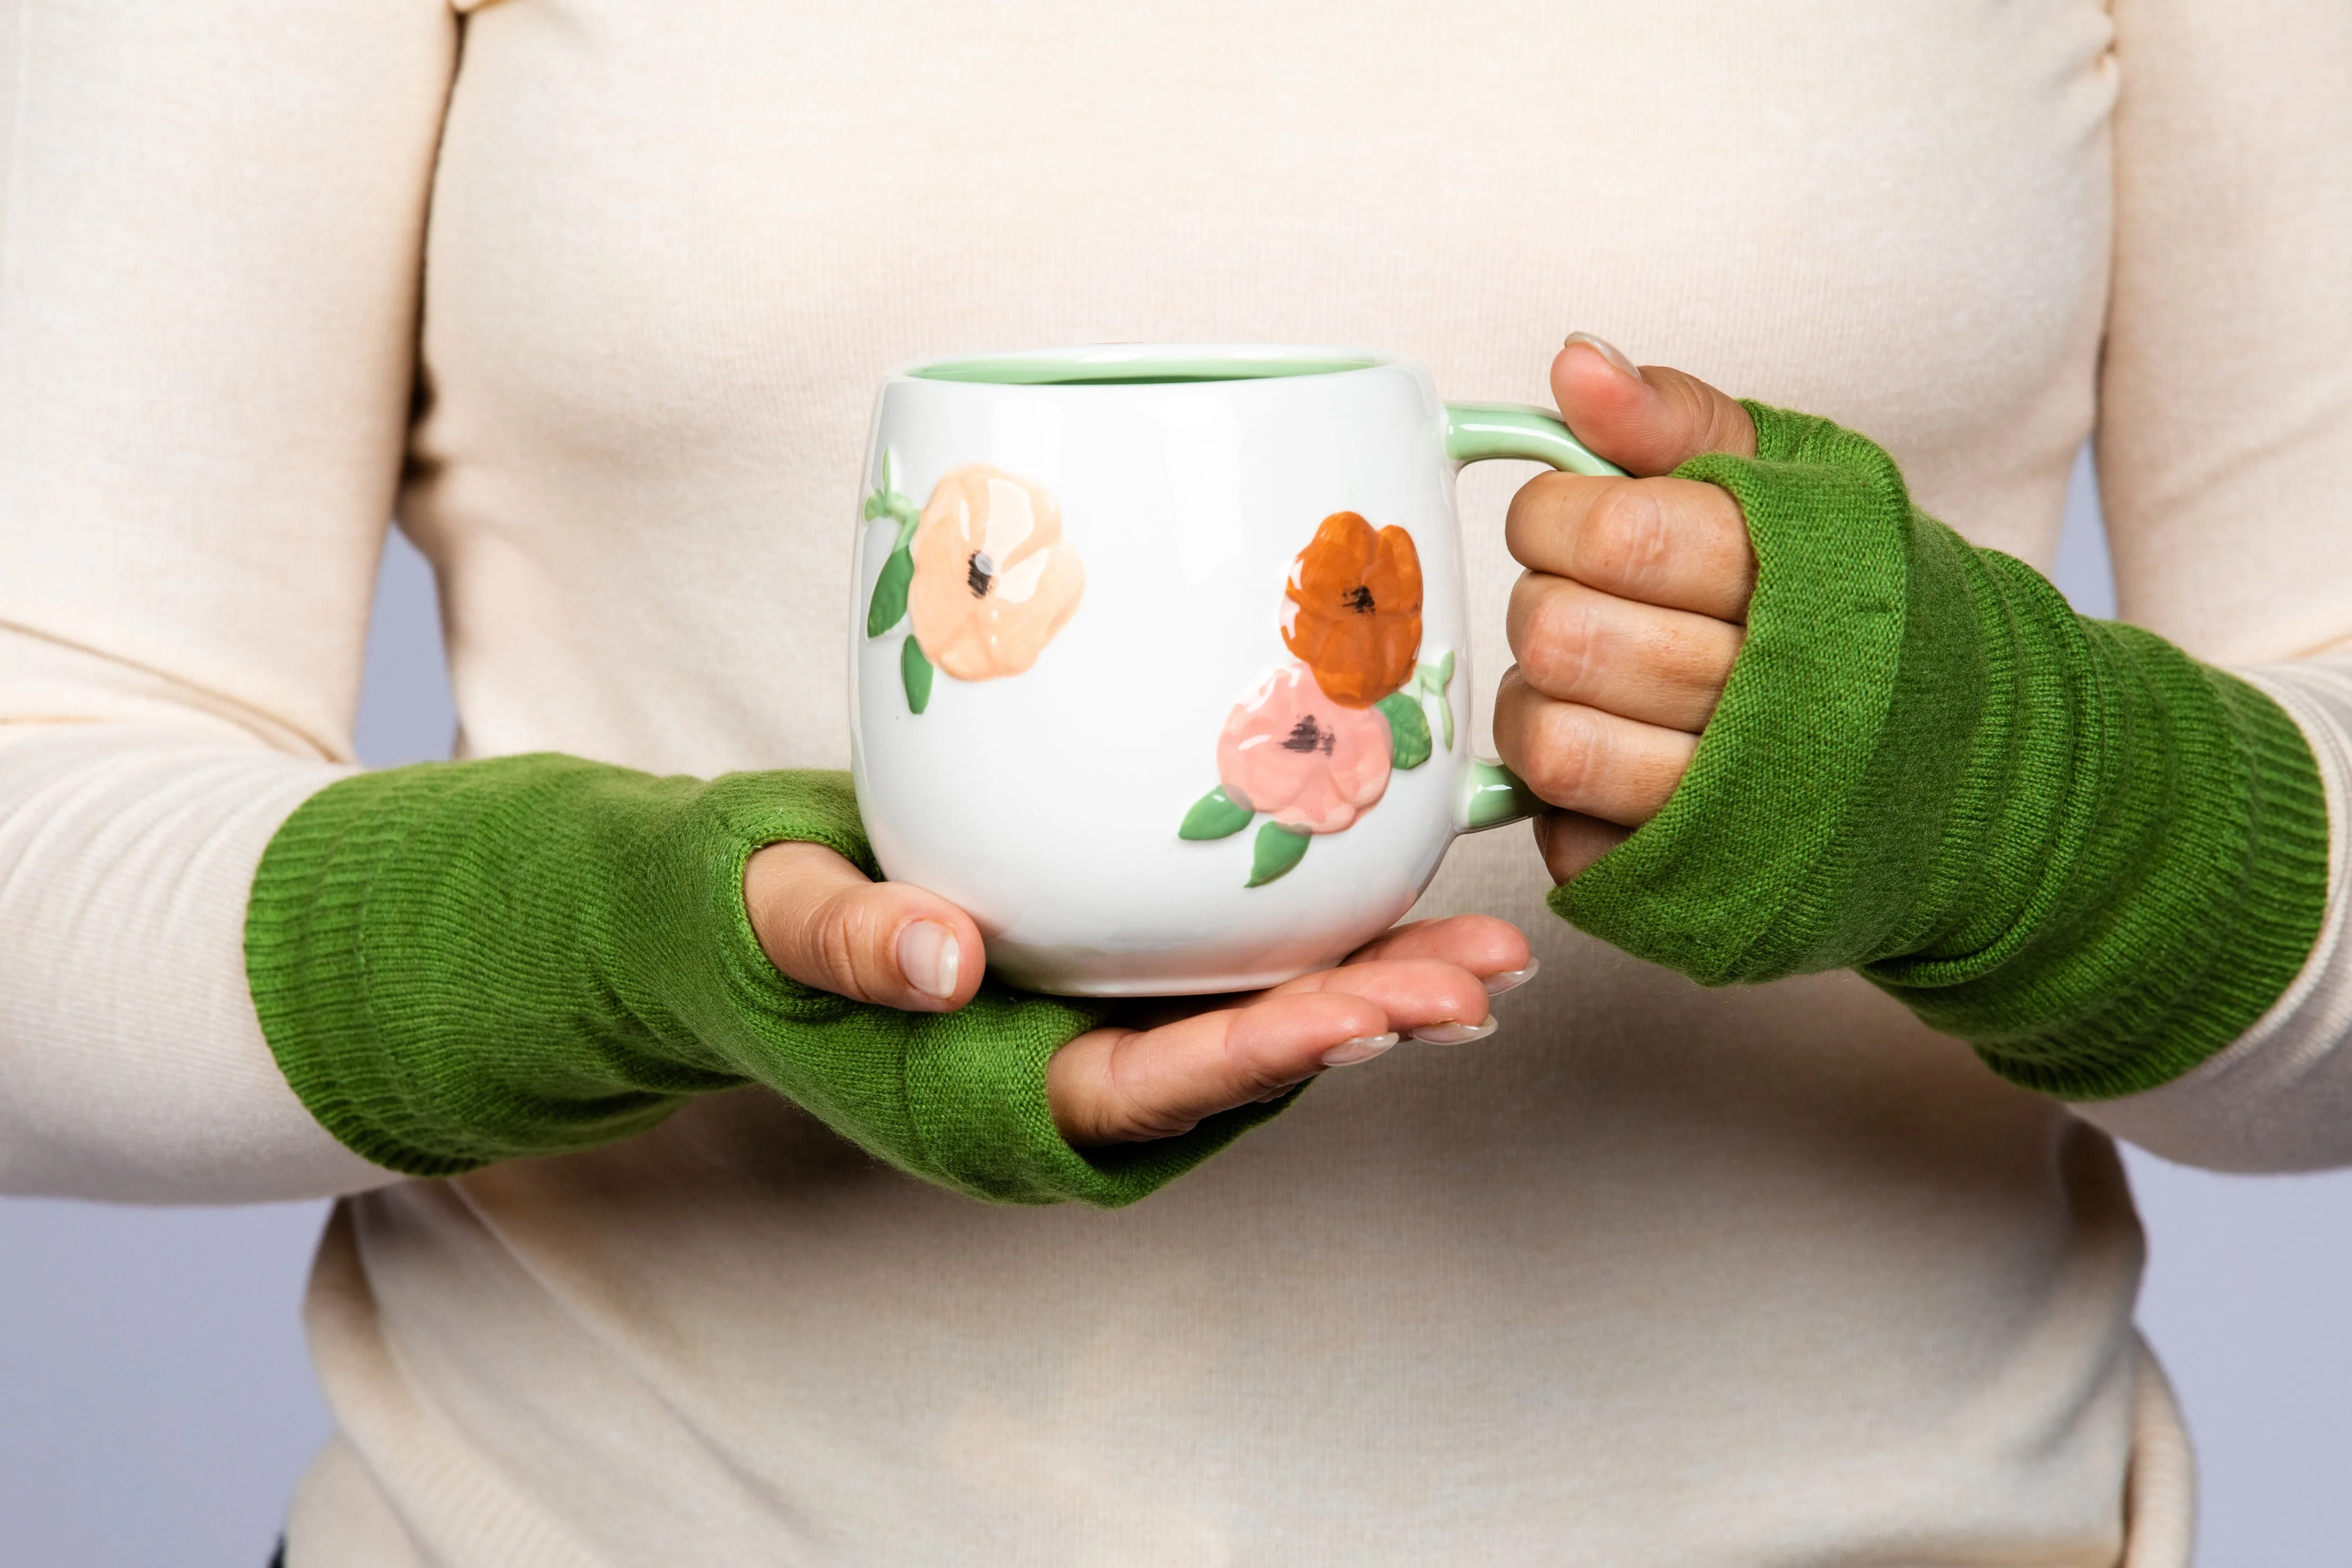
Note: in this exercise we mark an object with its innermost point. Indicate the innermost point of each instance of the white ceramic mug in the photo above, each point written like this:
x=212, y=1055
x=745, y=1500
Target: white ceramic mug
x=1161, y=653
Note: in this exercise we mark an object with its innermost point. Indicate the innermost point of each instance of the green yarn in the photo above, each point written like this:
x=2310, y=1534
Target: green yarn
x=2062, y=839
x=461, y=962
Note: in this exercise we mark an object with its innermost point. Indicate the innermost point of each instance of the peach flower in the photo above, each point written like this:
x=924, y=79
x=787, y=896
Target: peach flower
x=1311, y=764
x=994, y=579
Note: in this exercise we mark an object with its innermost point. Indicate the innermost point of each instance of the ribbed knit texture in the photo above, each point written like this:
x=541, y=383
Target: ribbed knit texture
x=2062, y=839
x=460, y=962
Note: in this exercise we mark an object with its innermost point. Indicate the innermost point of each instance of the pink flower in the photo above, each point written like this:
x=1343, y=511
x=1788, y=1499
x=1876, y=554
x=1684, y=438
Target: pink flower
x=1290, y=751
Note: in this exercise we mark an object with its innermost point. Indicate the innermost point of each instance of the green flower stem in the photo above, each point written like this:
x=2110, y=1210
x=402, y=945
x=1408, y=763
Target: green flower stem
x=1434, y=679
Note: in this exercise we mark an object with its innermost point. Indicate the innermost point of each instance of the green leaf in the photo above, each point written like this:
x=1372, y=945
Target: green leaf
x=1408, y=729
x=889, y=604
x=1216, y=815
x=916, y=671
x=1278, y=850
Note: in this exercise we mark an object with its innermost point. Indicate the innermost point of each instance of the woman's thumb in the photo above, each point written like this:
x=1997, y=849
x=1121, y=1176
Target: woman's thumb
x=824, y=923
x=1647, y=420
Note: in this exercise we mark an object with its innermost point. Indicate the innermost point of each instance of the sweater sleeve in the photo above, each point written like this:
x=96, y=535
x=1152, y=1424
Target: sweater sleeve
x=211, y=224
x=461, y=962
x=2224, y=440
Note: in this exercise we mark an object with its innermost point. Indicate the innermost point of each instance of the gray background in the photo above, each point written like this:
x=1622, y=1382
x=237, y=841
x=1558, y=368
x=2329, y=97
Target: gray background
x=156, y=1405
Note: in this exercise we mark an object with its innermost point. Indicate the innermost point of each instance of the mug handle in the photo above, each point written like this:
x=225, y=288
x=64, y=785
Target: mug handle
x=1491, y=794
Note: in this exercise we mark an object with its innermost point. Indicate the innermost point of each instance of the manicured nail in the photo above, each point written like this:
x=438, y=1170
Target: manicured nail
x=1607, y=350
x=1512, y=979
x=1455, y=1033
x=1363, y=1048
x=928, y=958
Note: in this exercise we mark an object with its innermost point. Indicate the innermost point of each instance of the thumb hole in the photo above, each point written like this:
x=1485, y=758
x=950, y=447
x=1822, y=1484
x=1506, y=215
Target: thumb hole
x=822, y=923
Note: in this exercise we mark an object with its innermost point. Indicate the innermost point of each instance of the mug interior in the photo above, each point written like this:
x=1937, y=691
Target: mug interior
x=1145, y=364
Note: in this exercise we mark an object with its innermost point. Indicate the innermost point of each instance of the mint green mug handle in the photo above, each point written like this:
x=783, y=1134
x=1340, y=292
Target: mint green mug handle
x=1492, y=795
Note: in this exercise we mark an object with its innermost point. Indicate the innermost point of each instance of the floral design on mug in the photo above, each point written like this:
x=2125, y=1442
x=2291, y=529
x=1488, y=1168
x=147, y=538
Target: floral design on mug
x=981, y=574
x=1312, y=743
x=1351, y=610
x=1309, y=763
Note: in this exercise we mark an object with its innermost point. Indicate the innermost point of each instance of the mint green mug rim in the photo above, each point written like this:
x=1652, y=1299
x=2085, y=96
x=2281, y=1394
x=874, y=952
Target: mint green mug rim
x=1131, y=365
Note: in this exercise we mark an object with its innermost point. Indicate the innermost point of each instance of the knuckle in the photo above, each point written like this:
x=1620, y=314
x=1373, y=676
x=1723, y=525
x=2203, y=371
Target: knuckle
x=1259, y=1082
x=1566, y=757
x=1519, y=613
x=1510, y=690
x=1694, y=403
x=1626, y=536
x=1723, y=515
x=1094, y=1106
x=1125, y=1110
x=1539, y=499
x=1534, y=522
x=1563, y=643
x=836, y=949
x=841, y=947
x=1701, y=659
x=1729, y=428
x=1512, y=697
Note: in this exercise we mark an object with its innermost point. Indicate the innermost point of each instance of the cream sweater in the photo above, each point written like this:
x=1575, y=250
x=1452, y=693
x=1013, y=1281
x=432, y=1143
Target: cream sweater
x=593, y=294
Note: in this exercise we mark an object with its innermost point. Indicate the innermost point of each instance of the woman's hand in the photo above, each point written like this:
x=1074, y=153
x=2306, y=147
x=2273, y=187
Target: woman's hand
x=1630, y=613
x=821, y=921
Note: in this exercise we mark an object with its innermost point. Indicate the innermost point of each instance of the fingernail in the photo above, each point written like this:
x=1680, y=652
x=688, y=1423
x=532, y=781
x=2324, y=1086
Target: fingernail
x=928, y=958
x=1512, y=979
x=1607, y=350
x=1363, y=1048
x=1455, y=1033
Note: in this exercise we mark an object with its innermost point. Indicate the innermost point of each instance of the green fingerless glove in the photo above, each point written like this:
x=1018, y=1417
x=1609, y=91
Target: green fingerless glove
x=2062, y=839
x=460, y=962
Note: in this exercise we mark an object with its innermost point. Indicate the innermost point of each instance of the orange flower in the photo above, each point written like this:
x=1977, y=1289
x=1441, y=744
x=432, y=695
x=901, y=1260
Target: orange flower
x=1352, y=609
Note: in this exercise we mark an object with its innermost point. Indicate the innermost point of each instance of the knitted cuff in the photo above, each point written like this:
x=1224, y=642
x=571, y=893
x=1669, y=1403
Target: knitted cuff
x=2186, y=903
x=460, y=962
x=422, y=948
x=2062, y=839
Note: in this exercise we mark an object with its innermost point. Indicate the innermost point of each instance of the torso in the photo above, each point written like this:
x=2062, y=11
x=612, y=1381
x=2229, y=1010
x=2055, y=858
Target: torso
x=1657, y=1275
